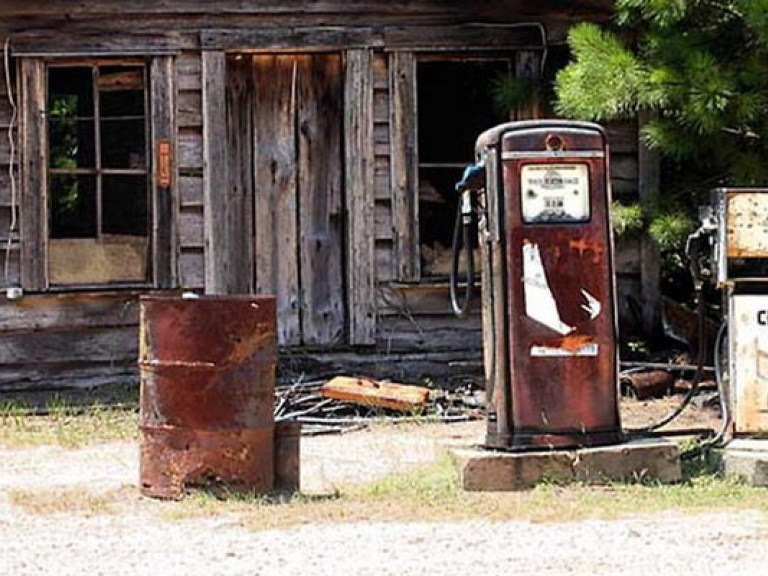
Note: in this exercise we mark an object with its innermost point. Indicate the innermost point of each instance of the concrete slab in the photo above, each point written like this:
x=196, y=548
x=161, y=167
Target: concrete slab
x=747, y=459
x=482, y=470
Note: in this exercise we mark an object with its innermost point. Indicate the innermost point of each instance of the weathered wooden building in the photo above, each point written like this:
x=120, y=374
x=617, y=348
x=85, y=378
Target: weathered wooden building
x=297, y=147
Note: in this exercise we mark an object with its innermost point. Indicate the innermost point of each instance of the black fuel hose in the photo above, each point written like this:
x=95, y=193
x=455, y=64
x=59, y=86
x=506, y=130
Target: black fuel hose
x=462, y=234
x=722, y=392
x=697, y=379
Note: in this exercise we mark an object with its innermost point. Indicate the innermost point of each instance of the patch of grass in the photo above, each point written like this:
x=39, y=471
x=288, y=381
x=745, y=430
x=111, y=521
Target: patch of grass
x=75, y=500
x=432, y=493
x=64, y=425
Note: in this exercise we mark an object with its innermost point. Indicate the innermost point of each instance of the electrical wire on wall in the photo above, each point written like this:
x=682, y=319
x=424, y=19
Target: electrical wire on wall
x=12, y=159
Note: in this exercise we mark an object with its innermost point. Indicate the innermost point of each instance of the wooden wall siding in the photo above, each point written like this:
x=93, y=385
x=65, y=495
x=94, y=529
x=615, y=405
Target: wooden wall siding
x=227, y=269
x=8, y=250
x=165, y=198
x=404, y=166
x=239, y=130
x=362, y=211
x=384, y=236
x=623, y=142
x=33, y=169
x=100, y=25
x=215, y=175
x=191, y=227
x=60, y=340
x=429, y=333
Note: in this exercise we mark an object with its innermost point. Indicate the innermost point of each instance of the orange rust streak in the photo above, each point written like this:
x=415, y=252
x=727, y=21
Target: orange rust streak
x=581, y=246
x=575, y=342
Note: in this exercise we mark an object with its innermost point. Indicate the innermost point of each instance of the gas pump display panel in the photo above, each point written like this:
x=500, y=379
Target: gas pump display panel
x=554, y=193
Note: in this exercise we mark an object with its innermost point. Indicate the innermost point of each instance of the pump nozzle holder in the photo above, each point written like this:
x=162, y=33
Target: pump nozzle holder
x=472, y=179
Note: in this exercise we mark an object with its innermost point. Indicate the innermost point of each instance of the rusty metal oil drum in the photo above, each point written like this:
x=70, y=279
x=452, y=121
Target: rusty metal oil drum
x=207, y=368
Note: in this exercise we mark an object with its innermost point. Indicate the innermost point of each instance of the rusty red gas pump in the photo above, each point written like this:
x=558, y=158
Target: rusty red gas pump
x=549, y=307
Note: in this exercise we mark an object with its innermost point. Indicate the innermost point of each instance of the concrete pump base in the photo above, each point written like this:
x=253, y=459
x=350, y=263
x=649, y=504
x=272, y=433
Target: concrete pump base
x=747, y=459
x=654, y=459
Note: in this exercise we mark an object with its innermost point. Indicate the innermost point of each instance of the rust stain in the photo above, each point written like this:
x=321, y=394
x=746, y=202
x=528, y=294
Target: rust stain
x=574, y=342
x=582, y=246
x=207, y=370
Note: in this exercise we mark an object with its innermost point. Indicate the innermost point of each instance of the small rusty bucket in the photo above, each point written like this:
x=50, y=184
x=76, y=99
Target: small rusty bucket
x=207, y=369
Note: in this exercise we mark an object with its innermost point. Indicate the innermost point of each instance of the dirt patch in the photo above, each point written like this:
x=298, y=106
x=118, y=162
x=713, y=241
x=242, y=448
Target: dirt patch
x=78, y=512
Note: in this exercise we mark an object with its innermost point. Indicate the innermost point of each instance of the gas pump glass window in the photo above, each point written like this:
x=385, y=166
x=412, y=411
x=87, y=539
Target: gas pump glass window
x=98, y=174
x=554, y=193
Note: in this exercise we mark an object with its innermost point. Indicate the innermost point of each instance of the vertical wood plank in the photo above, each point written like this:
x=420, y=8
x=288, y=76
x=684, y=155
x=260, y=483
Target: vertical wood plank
x=527, y=65
x=319, y=121
x=649, y=174
x=240, y=172
x=404, y=138
x=360, y=193
x=222, y=275
x=275, y=191
x=164, y=199
x=33, y=175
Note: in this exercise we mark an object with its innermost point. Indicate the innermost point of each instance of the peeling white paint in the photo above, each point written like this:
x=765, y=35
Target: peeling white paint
x=592, y=307
x=540, y=303
x=590, y=349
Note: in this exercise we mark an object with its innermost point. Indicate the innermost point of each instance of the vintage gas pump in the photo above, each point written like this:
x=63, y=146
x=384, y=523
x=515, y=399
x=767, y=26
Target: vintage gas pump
x=738, y=222
x=549, y=317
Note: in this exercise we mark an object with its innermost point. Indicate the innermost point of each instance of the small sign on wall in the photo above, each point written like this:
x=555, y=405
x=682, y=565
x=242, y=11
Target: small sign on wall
x=163, y=166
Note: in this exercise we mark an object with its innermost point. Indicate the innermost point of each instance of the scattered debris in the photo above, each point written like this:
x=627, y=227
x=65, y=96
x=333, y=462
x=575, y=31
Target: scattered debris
x=345, y=404
x=652, y=384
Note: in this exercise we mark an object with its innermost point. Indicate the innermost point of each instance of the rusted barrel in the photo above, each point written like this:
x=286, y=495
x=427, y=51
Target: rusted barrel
x=207, y=369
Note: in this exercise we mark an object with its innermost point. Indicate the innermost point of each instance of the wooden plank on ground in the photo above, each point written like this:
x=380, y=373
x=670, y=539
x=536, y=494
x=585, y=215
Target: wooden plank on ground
x=368, y=392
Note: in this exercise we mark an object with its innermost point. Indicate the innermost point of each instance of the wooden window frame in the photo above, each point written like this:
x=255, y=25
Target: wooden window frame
x=34, y=172
x=405, y=164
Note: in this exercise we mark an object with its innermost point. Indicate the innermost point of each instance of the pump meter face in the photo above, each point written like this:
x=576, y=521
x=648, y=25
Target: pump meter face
x=554, y=193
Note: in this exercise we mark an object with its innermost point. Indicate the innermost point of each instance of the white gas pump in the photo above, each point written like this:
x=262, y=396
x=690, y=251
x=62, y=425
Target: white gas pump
x=739, y=224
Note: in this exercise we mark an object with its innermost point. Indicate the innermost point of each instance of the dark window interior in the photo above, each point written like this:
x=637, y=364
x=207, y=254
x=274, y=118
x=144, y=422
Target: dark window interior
x=455, y=105
x=97, y=146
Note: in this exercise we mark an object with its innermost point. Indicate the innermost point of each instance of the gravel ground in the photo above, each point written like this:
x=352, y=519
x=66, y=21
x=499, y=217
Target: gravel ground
x=138, y=541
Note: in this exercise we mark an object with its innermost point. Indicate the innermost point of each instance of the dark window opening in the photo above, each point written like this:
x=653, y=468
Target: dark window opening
x=98, y=173
x=455, y=104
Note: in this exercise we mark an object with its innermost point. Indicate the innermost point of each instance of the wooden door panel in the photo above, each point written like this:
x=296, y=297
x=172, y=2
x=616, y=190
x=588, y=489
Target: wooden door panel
x=319, y=118
x=275, y=195
x=298, y=228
